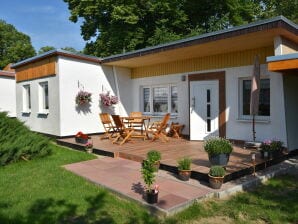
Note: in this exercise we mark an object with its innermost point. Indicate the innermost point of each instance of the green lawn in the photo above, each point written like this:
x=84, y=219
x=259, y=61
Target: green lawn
x=41, y=191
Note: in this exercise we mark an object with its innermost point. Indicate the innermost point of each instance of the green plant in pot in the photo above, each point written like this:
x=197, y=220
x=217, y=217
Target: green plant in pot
x=216, y=176
x=219, y=150
x=271, y=149
x=184, y=170
x=155, y=157
x=148, y=175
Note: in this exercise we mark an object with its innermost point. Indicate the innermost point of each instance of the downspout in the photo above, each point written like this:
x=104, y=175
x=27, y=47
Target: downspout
x=117, y=87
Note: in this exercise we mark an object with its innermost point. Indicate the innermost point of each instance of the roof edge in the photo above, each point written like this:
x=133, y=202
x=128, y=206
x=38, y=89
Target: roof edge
x=192, y=40
x=7, y=74
x=282, y=57
x=57, y=52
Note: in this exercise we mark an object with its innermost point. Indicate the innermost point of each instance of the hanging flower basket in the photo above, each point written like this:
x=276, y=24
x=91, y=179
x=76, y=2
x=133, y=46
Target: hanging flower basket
x=107, y=99
x=83, y=97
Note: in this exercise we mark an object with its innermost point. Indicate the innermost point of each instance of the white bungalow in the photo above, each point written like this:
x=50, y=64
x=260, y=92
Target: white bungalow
x=8, y=92
x=203, y=81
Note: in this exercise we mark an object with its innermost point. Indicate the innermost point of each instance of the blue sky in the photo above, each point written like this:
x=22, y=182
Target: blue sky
x=45, y=21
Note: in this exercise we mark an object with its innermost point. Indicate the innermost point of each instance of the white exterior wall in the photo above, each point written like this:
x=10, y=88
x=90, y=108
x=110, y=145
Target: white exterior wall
x=175, y=79
x=8, y=95
x=48, y=124
x=75, y=75
x=241, y=129
x=235, y=128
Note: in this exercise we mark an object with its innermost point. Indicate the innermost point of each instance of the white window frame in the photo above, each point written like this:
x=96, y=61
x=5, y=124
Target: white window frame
x=42, y=98
x=151, y=87
x=240, y=100
x=26, y=99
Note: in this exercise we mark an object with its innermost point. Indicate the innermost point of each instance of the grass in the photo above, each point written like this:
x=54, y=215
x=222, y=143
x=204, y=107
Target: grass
x=41, y=191
x=274, y=202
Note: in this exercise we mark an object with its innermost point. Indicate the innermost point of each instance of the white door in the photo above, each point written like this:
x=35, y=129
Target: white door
x=204, y=109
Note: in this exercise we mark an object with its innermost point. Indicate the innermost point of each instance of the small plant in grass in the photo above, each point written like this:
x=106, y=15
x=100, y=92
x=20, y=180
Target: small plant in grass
x=184, y=164
x=217, y=171
x=218, y=145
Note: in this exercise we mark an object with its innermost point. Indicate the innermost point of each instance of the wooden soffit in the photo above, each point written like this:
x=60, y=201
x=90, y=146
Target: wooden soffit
x=212, y=47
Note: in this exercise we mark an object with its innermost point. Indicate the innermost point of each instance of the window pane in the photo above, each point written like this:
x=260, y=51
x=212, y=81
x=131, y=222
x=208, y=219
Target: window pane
x=46, y=96
x=264, y=98
x=160, y=99
x=146, y=100
x=246, y=96
x=174, y=99
x=26, y=98
x=264, y=101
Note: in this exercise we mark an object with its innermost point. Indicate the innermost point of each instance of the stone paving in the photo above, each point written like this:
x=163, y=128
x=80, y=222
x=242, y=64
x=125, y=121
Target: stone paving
x=124, y=178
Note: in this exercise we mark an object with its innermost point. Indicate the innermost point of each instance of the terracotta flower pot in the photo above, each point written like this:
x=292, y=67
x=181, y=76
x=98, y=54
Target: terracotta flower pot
x=184, y=174
x=215, y=182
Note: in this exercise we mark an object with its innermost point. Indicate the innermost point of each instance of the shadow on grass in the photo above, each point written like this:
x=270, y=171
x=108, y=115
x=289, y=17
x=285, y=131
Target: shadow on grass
x=60, y=211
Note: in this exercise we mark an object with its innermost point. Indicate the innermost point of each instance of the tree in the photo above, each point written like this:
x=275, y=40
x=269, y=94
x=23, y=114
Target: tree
x=117, y=26
x=45, y=49
x=120, y=26
x=14, y=45
x=70, y=49
x=271, y=8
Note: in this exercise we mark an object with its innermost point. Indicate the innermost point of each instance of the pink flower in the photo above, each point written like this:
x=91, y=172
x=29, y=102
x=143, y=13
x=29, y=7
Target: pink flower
x=107, y=99
x=156, y=188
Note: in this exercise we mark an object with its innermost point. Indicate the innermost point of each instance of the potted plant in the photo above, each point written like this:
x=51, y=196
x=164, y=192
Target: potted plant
x=184, y=171
x=83, y=97
x=216, y=176
x=89, y=147
x=148, y=175
x=155, y=157
x=82, y=138
x=219, y=150
x=107, y=99
x=265, y=149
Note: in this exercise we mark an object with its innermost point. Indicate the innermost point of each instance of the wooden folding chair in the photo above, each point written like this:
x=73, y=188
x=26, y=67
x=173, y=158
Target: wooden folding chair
x=122, y=132
x=107, y=125
x=158, y=129
x=137, y=122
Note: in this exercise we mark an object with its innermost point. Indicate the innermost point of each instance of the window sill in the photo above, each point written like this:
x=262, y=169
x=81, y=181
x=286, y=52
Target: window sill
x=26, y=112
x=262, y=121
x=43, y=113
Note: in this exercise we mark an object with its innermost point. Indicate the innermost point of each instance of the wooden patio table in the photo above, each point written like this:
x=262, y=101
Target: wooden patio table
x=130, y=120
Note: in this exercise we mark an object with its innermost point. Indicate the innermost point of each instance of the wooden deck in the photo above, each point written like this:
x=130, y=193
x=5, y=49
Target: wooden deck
x=240, y=160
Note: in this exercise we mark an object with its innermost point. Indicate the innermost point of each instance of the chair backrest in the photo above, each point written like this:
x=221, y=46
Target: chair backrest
x=105, y=118
x=136, y=114
x=118, y=122
x=164, y=122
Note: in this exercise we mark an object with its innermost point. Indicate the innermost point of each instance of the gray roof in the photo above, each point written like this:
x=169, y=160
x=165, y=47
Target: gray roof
x=282, y=57
x=57, y=52
x=194, y=40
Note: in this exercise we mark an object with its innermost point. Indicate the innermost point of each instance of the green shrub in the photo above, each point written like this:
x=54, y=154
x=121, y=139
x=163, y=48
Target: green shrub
x=184, y=164
x=217, y=171
x=217, y=145
x=18, y=142
x=154, y=156
x=148, y=173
